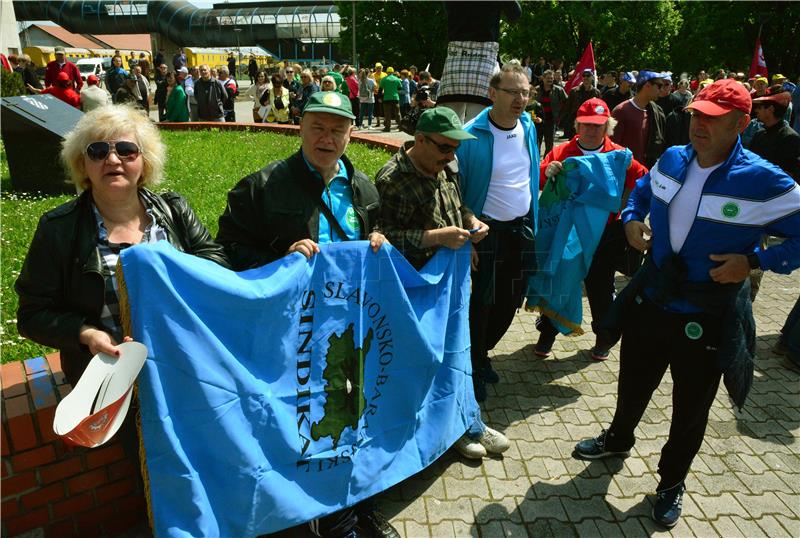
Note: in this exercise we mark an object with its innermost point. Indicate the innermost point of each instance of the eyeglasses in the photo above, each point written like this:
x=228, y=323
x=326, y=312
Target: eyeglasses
x=444, y=149
x=126, y=151
x=516, y=93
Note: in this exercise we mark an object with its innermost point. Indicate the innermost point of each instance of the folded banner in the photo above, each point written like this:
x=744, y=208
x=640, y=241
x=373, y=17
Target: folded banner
x=573, y=212
x=277, y=395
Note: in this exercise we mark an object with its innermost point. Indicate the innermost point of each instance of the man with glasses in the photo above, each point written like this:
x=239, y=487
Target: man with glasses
x=641, y=123
x=424, y=170
x=500, y=183
x=577, y=96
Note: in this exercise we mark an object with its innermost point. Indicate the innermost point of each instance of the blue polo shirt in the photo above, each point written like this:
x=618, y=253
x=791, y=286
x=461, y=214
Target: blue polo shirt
x=338, y=196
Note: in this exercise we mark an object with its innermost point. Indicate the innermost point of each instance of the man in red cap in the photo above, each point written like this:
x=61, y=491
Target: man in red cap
x=689, y=308
x=778, y=143
x=92, y=95
x=62, y=89
x=594, y=125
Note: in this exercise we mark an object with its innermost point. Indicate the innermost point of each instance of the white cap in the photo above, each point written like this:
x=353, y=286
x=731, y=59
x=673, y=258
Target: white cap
x=95, y=409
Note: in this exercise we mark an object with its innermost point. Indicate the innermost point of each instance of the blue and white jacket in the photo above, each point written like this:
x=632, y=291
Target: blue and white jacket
x=475, y=158
x=743, y=199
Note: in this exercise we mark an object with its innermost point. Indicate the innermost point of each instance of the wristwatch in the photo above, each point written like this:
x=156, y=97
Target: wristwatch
x=753, y=261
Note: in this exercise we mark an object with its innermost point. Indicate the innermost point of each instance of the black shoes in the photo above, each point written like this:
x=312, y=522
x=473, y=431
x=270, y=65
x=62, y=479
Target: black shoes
x=669, y=504
x=373, y=523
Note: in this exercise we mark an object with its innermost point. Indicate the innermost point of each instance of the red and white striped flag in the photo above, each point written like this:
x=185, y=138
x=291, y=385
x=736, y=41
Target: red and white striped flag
x=586, y=62
x=759, y=64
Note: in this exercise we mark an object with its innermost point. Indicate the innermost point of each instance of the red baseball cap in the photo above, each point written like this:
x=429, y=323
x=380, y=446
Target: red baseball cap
x=62, y=76
x=92, y=79
x=722, y=97
x=782, y=98
x=594, y=111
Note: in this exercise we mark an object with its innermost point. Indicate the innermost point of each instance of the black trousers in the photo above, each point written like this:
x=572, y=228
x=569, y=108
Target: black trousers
x=599, y=280
x=504, y=264
x=547, y=131
x=652, y=340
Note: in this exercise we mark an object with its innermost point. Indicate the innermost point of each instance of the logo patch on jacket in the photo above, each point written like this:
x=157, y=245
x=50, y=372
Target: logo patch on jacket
x=730, y=210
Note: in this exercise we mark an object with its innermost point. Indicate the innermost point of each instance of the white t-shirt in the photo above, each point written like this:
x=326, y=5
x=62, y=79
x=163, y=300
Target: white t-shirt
x=683, y=208
x=509, y=194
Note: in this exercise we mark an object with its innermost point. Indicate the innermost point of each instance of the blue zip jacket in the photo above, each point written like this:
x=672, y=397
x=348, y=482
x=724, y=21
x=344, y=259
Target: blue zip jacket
x=743, y=199
x=475, y=163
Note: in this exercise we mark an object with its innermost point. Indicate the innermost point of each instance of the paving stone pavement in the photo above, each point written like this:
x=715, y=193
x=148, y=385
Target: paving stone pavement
x=744, y=482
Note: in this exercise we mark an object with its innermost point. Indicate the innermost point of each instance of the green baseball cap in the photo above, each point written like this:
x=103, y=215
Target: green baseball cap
x=443, y=121
x=330, y=102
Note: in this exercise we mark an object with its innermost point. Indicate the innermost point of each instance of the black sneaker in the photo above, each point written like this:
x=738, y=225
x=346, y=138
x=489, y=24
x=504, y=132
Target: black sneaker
x=599, y=354
x=594, y=448
x=374, y=524
x=669, y=503
x=547, y=337
x=480, y=387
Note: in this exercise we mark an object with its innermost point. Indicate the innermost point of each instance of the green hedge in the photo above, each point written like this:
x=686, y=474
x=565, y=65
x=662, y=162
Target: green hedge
x=201, y=165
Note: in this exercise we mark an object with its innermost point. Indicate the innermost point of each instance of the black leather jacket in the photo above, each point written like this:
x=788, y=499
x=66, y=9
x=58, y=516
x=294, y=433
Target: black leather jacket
x=61, y=286
x=272, y=209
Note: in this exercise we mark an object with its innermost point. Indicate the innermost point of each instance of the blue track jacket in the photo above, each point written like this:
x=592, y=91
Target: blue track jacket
x=475, y=162
x=743, y=199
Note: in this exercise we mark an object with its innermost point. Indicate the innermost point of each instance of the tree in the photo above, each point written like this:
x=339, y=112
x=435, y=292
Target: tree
x=396, y=33
x=723, y=34
x=629, y=35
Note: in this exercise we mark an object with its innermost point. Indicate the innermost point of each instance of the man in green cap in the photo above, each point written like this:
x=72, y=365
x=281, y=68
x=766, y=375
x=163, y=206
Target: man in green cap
x=421, y=210
x=313, y=197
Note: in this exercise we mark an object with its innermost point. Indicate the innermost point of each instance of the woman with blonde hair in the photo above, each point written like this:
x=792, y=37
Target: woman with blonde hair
x=278, y=101
x=68, y=294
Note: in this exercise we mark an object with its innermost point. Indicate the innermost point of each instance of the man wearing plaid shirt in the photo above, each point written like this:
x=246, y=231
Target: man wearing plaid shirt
x=421, y=210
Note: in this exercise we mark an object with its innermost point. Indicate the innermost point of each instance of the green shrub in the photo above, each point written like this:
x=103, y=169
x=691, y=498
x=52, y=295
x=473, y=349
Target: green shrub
x=11, y=84
x=201, y=165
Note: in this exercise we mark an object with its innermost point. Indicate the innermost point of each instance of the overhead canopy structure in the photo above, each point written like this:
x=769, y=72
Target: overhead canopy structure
x=278, y=26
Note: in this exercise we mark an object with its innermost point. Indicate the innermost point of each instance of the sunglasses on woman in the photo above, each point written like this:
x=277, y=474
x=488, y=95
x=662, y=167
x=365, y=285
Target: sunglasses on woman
x=126, y=151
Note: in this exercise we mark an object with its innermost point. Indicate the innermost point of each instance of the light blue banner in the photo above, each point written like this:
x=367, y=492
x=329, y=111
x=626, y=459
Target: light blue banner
x=573, y=213
x=280, y=394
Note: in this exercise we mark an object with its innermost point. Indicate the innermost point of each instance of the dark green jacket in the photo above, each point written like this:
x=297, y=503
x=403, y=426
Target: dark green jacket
x=61, y=286
x=272, y=209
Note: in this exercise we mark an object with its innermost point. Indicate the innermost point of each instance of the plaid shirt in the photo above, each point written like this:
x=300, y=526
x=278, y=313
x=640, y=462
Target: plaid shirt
x=109, y=252
x=412, y=203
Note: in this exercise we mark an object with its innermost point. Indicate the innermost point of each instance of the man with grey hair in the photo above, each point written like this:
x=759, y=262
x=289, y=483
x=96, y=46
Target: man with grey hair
x=594, y=126
x=231, y=92
x=500, y=185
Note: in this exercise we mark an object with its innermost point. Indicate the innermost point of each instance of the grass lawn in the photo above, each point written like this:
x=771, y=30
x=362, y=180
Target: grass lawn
x=201, y=165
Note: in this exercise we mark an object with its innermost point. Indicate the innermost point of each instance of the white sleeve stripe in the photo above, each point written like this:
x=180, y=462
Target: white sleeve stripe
x=663, y=187
x=749, y=212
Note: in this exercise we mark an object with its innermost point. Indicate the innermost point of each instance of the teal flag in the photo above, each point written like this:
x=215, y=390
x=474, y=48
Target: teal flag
x=573, y=212
x=280, y=394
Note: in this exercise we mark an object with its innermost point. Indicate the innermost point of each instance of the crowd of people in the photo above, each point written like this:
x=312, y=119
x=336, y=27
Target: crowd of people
x=709, y=199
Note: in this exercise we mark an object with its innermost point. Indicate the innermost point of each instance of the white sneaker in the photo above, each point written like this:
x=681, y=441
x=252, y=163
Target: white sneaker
x=494, y=441
x=470, y=448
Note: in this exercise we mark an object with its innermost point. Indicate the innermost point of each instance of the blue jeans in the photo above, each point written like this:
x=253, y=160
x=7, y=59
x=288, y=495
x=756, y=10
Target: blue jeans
x=476, y=430
x=365, y=110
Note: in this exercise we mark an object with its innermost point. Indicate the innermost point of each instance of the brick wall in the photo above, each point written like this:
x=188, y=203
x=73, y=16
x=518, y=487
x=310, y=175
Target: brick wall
x=47, y=485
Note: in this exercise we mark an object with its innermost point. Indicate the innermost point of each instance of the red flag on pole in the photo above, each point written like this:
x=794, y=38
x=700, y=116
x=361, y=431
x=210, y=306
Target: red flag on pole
x=586, y=62
x=759, y=64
